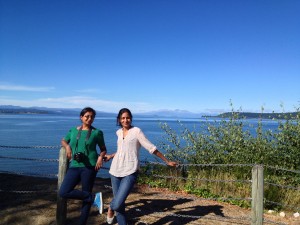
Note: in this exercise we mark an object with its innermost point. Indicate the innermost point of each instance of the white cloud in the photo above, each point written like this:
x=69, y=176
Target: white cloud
x=77, y=102
x=89, y=91
x=7, y=87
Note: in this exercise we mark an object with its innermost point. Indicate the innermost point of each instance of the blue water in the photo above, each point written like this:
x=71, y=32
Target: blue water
x=48, y=130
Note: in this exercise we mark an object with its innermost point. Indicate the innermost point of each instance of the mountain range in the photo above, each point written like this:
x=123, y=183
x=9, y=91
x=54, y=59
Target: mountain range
x=11, y=109
x=175, y=114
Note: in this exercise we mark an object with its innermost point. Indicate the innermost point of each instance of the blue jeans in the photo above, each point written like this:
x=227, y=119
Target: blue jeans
x=87, y=177
x=121, y=186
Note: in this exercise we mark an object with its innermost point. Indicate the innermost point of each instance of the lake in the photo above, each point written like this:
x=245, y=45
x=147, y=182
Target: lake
x=42, y=135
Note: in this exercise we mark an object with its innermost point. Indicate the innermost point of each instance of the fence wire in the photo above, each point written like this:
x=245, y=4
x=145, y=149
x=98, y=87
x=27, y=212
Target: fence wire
x=158, y=176
x=31, y=147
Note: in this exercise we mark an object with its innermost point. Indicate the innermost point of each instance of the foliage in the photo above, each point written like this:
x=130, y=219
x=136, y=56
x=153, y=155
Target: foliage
x=228, y=141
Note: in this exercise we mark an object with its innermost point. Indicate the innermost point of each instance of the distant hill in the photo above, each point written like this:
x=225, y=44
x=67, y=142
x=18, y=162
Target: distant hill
x=249, y=115
x=10, y=109
x=179, y=114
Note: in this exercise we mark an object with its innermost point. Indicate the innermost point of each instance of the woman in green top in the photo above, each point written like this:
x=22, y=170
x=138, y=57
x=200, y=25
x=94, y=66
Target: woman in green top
x=80, y=144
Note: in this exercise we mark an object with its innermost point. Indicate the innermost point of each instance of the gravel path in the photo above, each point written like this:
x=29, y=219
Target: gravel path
x=144, y=206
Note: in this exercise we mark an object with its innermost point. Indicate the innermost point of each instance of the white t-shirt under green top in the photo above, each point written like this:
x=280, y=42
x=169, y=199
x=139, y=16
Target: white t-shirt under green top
x=126, y=159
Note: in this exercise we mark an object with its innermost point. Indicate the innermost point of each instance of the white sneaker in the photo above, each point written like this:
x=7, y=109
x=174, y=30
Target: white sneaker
x=110, y=220
x=98, y=202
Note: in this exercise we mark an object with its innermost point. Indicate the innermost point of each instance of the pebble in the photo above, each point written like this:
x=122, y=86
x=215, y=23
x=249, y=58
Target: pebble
x=282, y=214
x=296, y=214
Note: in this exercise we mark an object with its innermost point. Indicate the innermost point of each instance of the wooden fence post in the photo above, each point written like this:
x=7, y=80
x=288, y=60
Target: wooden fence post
x=61, y=210
x=257, y=205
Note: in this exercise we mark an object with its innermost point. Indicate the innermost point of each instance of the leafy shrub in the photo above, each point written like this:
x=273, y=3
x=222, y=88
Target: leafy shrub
x=228, y=141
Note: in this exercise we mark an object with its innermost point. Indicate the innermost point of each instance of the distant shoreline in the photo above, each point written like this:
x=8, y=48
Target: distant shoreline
x=249, y=115
x=221, y=116
x=17, y=110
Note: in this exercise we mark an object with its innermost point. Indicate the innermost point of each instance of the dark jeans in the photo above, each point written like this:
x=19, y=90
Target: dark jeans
x=121, y=186
x=87, y=177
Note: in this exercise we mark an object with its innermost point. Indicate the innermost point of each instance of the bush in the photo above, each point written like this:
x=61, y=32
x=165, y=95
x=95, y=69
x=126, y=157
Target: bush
x=229, y=141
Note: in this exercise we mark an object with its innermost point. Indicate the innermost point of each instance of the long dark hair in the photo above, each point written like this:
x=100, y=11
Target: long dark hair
x=123, y=110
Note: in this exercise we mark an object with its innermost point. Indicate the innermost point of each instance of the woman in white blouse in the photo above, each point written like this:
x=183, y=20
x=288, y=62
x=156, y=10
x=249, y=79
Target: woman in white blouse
x=125, y=164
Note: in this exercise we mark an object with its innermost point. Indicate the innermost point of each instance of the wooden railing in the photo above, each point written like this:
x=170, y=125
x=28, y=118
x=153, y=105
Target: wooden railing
x=61, y=210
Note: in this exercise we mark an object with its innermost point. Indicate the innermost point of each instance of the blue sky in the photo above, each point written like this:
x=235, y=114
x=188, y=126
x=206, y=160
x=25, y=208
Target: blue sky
x=195, y=55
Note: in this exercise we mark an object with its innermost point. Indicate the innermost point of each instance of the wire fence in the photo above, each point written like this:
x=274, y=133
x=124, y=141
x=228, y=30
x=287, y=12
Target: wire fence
x=170, y=178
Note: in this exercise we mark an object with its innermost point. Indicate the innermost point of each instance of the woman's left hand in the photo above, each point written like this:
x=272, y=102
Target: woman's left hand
x=170, y=163
x=99, y=163
x=108, y=157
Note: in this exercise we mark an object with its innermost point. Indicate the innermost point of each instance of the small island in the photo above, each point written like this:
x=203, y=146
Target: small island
x=250, y=115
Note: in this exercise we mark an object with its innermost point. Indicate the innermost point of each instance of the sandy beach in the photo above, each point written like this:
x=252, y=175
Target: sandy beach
x=29, y=200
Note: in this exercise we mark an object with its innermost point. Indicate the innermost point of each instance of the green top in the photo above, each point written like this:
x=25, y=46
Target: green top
x=87, y=147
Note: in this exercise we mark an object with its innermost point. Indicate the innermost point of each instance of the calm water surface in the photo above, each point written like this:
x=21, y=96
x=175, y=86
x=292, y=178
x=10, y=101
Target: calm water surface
x=48, y=130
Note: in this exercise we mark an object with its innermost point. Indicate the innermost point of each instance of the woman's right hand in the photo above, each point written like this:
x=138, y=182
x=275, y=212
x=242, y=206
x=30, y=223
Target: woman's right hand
x=68, y=149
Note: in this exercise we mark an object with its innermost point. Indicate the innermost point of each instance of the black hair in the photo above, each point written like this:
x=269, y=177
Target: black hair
x=87, y=109
x=123, y=110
